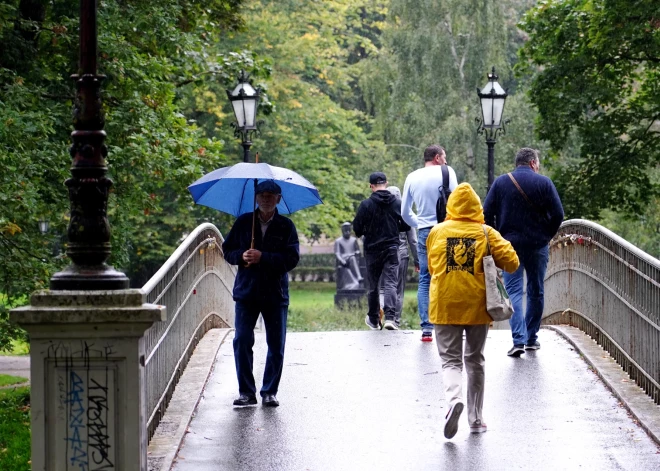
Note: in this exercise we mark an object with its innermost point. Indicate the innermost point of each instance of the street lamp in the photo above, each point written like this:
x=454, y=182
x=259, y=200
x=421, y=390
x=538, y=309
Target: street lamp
x=89, y=187
x=492, y=98
x=245, y=101
x=44, y=224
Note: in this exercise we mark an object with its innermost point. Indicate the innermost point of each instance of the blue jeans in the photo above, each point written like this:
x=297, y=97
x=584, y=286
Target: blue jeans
x=275, y=324
x=525, y=327
x=424, y=280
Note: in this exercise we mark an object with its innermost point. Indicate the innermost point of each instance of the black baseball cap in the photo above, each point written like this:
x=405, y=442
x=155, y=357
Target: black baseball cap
x=377, y=178
x=268, y=186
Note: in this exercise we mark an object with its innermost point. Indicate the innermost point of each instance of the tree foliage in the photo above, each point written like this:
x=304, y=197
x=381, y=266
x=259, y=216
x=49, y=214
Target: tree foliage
x=318, y=127
x=147, y=51
x=421, y=87
x=596, y=66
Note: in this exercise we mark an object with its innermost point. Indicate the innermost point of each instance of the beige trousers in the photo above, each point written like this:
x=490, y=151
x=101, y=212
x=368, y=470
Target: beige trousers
x=449, y=339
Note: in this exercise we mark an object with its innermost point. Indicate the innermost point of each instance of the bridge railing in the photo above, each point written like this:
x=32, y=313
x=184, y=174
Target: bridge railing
x=609, y=289
x=196, y=285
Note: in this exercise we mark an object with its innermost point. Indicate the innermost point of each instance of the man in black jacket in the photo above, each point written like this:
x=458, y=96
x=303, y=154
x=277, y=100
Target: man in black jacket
x=525, y=208
x=378, y=218
x=261, y=286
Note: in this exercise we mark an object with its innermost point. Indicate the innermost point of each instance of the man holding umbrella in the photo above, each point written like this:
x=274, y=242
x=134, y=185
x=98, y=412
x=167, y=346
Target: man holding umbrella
x=264, y=248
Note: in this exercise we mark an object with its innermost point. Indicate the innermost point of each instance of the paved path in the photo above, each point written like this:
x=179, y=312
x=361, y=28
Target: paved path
x=15, y=366
x=373, y=401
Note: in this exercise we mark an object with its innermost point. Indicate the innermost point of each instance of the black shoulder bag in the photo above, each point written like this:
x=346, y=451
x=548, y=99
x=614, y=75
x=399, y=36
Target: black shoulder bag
x=441, y=204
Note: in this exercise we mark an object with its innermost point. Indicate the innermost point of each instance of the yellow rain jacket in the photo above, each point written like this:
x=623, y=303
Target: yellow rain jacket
x=455, y=250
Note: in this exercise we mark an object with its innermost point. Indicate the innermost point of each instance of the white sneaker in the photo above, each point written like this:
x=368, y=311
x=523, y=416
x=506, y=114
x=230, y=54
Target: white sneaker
x=391, y=325
x=451, y=419
x=478, y=427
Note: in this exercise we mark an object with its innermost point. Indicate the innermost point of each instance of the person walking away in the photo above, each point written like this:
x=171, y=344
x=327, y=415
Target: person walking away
x=378, y=219
x=422, y=188
x=457, y=300
x=407, y=249
x=525, y=208
x=261, y=286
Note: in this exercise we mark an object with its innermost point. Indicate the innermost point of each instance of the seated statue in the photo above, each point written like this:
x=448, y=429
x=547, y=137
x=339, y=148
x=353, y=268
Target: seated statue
x=347, y=253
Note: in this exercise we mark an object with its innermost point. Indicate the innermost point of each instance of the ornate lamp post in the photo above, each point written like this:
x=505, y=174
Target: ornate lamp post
x=89, y=230
x=492, y=98
x=245, y=101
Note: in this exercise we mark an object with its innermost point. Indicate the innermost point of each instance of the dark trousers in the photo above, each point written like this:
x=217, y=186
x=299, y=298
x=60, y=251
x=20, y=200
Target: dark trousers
x=275, y=324
x=386, y=264
x=400, y=287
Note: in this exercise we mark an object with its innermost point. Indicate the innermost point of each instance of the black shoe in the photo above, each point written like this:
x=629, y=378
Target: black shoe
x=269, y=400
x=516, y=351
x=245, y=400
x=533, y=346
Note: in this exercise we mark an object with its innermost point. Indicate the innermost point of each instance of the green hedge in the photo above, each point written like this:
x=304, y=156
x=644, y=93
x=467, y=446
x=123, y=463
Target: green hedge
x=303, y=273
x=327, y=274
x=317, y=260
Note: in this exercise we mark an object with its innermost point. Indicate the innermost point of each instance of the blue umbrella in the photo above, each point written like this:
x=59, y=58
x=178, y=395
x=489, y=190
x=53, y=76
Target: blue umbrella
x=231, y=189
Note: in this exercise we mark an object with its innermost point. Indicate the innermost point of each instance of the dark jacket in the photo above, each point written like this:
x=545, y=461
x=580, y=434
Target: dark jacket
x=506, y=209
x=266, y=281
x=378, y=218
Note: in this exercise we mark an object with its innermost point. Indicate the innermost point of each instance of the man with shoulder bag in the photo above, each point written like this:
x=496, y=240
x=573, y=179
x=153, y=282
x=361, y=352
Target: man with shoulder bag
x=525, y=208
x=423, y=188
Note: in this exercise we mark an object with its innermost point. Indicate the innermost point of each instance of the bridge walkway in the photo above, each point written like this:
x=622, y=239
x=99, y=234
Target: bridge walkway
x=373, y=401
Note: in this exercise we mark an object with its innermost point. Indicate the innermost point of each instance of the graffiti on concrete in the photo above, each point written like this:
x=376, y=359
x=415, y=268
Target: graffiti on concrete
x=85, y=403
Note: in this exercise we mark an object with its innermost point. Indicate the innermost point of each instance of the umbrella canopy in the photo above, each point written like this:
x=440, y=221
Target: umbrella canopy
x=231, y=189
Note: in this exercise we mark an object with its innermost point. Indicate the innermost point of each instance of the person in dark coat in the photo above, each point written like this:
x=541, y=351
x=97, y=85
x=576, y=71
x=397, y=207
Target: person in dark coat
x=528, y=217
x=378, y=218
x=261, y=287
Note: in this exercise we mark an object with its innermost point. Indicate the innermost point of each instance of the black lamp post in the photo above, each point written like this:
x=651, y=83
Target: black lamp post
x=245, y=101
x=89, y=229
x=492, y=98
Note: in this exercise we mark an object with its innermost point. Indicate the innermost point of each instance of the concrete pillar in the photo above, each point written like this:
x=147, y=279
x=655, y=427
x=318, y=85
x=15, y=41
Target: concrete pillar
x=87, y=376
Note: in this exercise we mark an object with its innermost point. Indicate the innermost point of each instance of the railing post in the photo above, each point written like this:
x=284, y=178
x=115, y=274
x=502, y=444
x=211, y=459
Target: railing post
x=87, y=375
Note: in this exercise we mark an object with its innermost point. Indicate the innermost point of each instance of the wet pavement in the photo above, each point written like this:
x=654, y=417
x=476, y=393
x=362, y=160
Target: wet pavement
x=373, y=401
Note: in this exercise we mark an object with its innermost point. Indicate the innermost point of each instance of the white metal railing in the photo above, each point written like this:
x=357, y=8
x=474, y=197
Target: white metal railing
x=196, y=286
x=610, y=289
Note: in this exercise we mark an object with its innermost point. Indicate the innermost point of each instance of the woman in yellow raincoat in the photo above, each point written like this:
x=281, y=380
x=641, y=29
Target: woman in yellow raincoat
x=457, y=300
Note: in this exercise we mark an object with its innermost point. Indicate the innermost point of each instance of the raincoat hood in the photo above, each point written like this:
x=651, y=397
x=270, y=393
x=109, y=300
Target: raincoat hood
x=383, y=197
x=464, y=204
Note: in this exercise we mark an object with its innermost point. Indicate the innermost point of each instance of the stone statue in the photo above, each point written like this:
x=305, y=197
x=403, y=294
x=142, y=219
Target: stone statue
x=347, y=253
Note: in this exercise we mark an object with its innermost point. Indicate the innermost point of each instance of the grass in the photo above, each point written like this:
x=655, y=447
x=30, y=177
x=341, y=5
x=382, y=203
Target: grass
x=15, y=429
x=312, y=308
x=7, y=380
x=18, y=347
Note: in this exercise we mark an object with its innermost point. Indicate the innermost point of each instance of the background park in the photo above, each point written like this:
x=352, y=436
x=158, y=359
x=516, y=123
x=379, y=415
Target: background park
x=349, y=87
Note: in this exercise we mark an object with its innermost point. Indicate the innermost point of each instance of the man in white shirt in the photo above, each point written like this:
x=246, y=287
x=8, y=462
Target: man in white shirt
x=423, y=187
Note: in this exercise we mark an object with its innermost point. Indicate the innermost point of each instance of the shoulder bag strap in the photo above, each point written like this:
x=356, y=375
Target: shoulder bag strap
x=445, y=178
x=487, y=242
x=530, y=202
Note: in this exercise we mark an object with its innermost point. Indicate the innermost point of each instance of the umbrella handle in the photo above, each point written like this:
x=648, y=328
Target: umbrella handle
x=254, y=213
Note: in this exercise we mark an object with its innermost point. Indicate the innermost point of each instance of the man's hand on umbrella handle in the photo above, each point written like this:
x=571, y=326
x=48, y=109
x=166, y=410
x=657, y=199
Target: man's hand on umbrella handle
x=252, y=256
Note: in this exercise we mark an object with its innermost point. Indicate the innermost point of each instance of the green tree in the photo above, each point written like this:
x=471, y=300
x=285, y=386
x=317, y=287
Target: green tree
x=421, y=87
x=596, y=76
x=147, y=50
x=318, y=126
